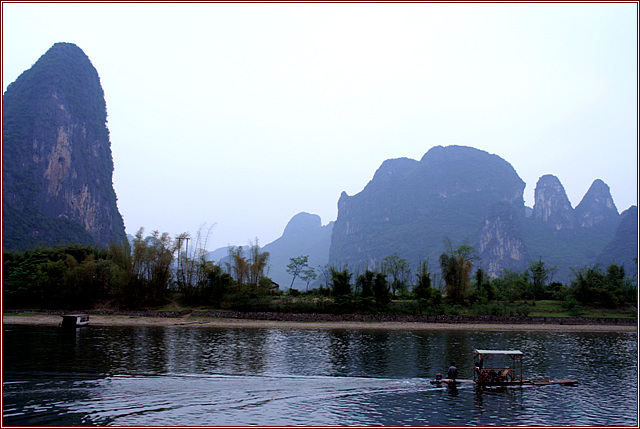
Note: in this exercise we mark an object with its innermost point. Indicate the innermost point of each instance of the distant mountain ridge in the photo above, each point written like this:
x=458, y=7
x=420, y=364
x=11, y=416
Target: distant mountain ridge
x=57, y=165
x=409, y=207
x=470, y=197
x=570, y=238
x=624, y=245
x=304, y=235
x=57, y=189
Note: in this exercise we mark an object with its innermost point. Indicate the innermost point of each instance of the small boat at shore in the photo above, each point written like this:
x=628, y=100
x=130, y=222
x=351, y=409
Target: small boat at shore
x=506, y=372
x=74, y=320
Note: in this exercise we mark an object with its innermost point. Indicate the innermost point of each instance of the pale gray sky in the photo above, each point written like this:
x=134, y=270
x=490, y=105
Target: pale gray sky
x=242, y=115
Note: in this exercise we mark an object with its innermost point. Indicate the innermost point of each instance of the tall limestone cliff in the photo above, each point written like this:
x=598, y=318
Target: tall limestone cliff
x=565, y=237
x=552, y=205
x=410, y=207
x=501, y=244
x=597, y=207
x=57, y=165
x=471, y=197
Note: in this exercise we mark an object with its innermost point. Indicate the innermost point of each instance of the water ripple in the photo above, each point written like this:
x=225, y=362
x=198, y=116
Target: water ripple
x=202, y=377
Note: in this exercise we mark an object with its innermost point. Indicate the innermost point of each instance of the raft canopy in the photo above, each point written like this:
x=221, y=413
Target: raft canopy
x=496, y=374
x=499, y=352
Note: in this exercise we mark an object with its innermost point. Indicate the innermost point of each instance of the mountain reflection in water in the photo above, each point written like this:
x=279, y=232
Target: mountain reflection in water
x=176, y=376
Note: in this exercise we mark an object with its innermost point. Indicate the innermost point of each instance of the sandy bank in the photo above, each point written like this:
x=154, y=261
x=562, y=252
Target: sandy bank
x=209, y=322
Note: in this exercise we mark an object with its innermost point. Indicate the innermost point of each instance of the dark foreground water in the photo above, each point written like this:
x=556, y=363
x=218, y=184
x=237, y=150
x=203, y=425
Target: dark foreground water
x=177, y=376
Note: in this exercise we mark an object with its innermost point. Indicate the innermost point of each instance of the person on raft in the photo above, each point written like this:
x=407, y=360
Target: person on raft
x=453, y=372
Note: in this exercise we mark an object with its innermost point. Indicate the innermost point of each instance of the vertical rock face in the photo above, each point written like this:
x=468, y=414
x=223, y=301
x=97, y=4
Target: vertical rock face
x=57, y=162
x=552, y=207
x=472, y=197
x=597, y=206
x=551, y=204
x=410, y=207
x=500, y=243
x=567, y=237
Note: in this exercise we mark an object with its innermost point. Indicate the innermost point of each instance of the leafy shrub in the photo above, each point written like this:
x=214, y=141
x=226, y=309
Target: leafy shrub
x=572, y=306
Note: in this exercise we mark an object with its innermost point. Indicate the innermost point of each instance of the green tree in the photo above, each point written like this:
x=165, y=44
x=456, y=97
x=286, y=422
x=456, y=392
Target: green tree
x=296, y=266
x=192, y=266
x=63, y=277
x=540, y=276
x=483, y=290
x=511, y=285
x=364, y=283
x=594, y=286
x=341, y=289
x=238, y=267
x=183, y=271
x=50, y=279
x=218, y=285
x=341, y=282
x=121, y=270
x=619, y=282
x=426, y=295
x=308, y=276
x=381, y=291
x=251, y=284
x=422, y=289
x=587, y=284
x=325, y=279
x=19, y=278
x=151, y=265
x=81, y=286
x=399, y=269
x=456, y=271
x=257, y=264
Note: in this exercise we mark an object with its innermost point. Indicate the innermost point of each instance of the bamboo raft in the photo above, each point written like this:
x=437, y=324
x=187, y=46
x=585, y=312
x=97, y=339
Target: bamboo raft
x=510, y=375
x=525, y=382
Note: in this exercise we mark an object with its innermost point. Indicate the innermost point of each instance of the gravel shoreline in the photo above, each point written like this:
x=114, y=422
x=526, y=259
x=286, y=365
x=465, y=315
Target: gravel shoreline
x=325, y=321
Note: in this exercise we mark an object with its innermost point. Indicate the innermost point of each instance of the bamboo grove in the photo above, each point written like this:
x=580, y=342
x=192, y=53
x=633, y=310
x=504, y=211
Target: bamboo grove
x=153, y=271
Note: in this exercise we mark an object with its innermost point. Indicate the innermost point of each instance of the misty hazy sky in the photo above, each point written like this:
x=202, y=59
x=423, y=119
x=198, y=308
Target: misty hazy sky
x=242, y=115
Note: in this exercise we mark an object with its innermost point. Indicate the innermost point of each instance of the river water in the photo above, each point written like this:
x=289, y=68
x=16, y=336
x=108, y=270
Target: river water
x=177, y=376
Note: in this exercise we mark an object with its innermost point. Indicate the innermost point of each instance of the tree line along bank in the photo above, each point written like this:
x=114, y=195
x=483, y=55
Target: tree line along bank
x=152, y=271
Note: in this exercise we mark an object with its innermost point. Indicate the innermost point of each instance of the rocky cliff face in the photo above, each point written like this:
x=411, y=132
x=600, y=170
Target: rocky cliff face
x=57, y=162
x=410, y=207
x=597, y=206
x=565, y=237
x=474, y=198
x=551, y=205
x=500, y=241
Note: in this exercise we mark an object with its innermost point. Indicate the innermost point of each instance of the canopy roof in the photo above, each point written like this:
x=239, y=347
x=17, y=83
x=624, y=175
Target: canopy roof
x=498, y=352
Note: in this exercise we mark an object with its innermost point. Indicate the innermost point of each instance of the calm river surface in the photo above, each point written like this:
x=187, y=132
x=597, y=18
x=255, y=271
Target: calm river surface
x=177, y=376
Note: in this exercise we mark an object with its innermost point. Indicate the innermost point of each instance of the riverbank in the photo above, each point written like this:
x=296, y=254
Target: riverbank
x=327, y=321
